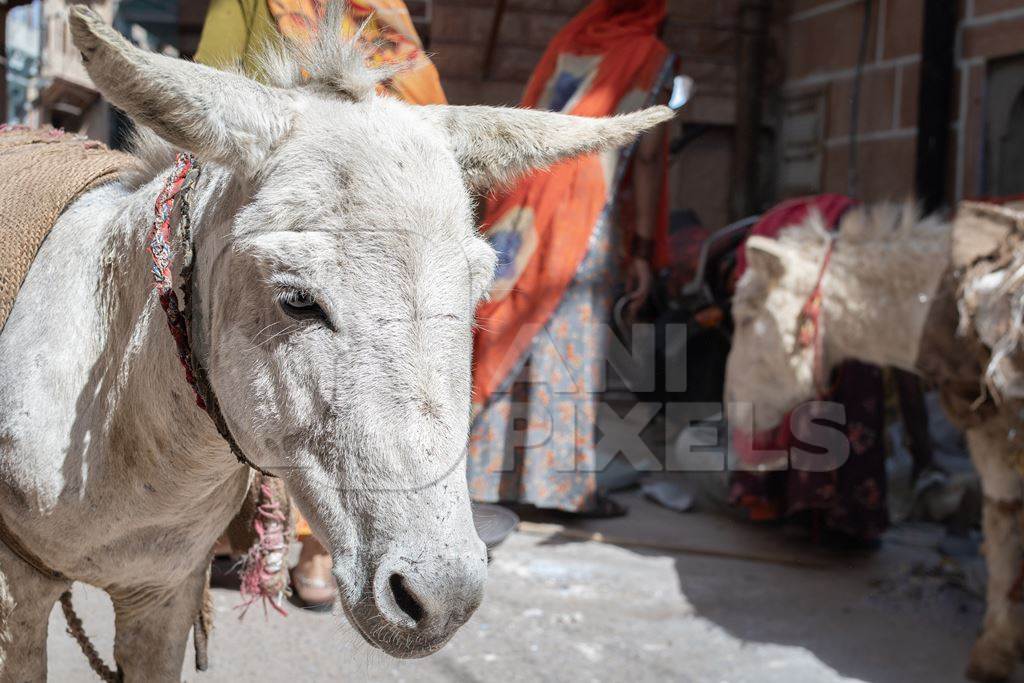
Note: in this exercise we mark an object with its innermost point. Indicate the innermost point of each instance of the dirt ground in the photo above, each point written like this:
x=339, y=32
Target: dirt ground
x=562, y=609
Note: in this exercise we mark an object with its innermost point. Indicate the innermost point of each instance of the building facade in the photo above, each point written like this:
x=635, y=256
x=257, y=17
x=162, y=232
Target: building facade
x=799, y=64
x=986, y=122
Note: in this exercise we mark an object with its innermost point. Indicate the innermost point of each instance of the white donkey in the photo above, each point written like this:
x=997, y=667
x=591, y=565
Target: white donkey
x=336, y=274
x=889, y=296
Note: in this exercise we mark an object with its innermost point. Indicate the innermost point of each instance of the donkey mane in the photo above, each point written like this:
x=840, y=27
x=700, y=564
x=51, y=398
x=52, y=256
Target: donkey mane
x=884, y=223
x=871, y=237
x=328, y=64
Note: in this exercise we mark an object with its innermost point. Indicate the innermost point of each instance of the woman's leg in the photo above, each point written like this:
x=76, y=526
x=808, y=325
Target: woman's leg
x=314, y=585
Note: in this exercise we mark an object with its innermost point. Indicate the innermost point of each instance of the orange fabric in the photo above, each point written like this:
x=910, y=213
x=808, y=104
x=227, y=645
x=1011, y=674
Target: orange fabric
x=390, y=38
x=555, y=211
x=388, y=33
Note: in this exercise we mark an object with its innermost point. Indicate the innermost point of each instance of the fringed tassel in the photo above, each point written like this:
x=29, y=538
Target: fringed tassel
x=264, y=572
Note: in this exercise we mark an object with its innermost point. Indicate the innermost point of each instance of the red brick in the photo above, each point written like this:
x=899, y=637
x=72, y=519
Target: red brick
x=451, y=24
x=529, y=29
x=973, y=129
x=886, y=169
x=876, y=103
x=711, y=108
x=484, y=4
x=707, y=11
x=703, y=41
x=475, y=91
x=566, y=7
x=514, y=63
x=702, y=178
x=982, y=7
x=796, y=6
x=454, y=60
x=910, y=85
x=903, y=23
x=827, y=42
x=571, y=6
x=910, y=91
x=997, y=39
x=711, y=76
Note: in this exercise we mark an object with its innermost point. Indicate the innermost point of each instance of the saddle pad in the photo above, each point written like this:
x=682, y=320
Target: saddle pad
x=41, y=172
x=989, y=250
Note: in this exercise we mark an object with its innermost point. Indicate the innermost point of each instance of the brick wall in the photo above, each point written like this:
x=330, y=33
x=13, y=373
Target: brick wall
x=990, y=31
x=702, y=32
x=822, y=40
x=821, y=43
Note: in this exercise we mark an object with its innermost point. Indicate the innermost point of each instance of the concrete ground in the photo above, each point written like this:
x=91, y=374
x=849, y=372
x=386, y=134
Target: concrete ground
x=560, y=609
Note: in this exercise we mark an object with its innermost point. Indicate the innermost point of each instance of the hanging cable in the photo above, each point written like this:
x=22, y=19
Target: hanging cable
x=852, y=178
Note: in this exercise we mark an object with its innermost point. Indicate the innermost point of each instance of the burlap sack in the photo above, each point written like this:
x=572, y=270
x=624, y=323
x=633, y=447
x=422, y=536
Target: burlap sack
x=972, y=346
x=41, y=172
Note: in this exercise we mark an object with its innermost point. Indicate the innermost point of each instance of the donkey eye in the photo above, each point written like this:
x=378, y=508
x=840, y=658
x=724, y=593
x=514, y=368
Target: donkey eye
x=302, y=304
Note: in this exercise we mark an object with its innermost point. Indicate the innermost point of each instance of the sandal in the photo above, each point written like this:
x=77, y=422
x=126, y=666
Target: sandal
x=312, y=582
x=311, y=592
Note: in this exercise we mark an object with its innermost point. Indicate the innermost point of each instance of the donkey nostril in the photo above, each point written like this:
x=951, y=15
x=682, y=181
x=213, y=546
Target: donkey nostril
x=405, y=599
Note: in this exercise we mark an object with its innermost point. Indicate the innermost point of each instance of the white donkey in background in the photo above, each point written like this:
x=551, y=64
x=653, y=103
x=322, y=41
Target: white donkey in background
x=891, y=297
x=336, y=274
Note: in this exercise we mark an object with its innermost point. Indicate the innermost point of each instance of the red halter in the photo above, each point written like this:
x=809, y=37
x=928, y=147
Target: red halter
x=160, y=238
x=809, y=324
x=263, y=572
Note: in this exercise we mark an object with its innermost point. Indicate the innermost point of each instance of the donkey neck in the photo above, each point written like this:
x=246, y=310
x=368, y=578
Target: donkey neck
x=151, y=410
x=877, y=296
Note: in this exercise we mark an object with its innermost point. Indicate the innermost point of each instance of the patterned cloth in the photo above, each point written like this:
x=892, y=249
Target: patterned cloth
x=851, y=499
x=538, y=356
x=534, y=443
x=605, y=61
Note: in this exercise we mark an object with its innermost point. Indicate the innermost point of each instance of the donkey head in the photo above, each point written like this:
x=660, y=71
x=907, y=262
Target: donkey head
x=336, y=303
x=768, y=370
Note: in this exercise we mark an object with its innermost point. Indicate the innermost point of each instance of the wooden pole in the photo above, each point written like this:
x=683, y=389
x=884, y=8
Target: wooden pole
x=492, y=39
x=752, y=34
x=934, y=102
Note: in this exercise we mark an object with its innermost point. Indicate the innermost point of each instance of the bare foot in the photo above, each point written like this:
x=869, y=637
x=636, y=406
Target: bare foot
x=314, y=584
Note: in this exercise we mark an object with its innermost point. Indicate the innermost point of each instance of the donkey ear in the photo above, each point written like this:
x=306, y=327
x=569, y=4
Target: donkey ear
x=765, y=256
x=219, y=116
x=494, y=145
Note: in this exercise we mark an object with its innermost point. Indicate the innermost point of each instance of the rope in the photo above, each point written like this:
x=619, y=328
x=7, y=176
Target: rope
x=809, y=323
x=77, y=631
x=264, y=575
x=178, y=186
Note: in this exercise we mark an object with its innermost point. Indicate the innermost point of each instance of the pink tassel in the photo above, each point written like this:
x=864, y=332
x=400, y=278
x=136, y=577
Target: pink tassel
x=264, y=569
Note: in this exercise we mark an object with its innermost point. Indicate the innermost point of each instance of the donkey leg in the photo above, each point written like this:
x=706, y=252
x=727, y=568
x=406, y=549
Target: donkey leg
x=26, y=599
x=996, y=649
x=152, y=627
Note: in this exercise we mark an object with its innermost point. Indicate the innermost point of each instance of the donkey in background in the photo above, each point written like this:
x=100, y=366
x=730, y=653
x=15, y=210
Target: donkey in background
x=893, y=294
